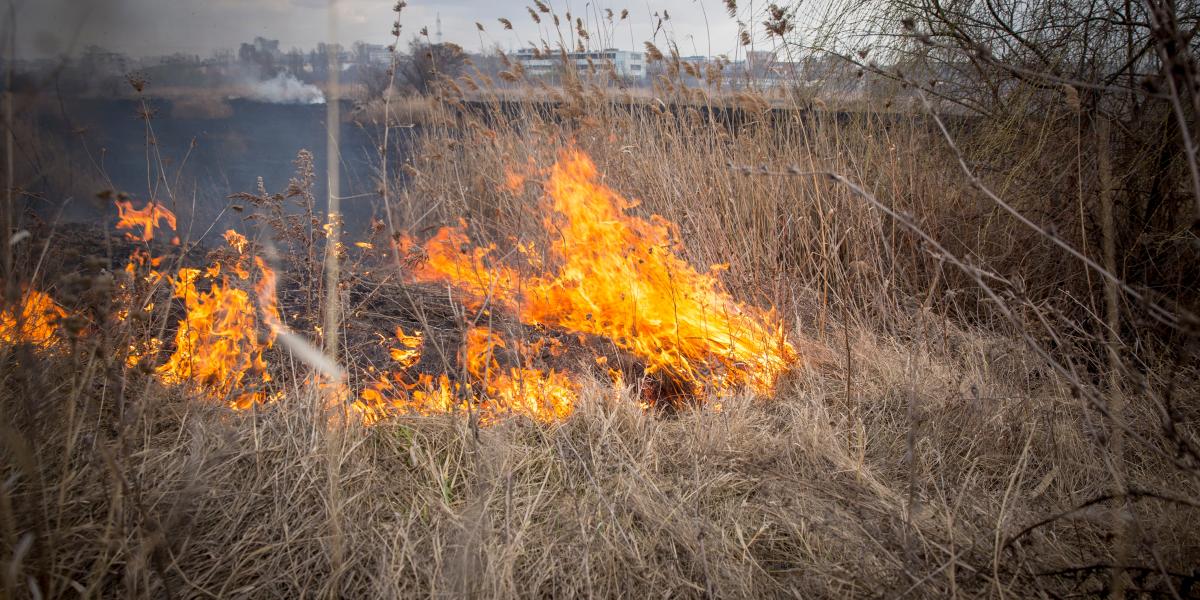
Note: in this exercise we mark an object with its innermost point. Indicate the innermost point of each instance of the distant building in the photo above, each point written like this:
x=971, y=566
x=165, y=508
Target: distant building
x=324, y=51
x=372, y=54
x=180, y=59
x=628, y=65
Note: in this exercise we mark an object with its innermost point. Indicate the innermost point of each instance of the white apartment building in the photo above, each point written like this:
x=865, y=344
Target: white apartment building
x=629, y=65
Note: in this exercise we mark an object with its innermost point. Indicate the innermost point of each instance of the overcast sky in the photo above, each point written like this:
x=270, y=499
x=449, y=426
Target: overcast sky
x=154, y=27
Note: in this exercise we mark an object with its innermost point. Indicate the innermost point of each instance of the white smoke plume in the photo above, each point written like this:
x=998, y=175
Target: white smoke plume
x=284, y=88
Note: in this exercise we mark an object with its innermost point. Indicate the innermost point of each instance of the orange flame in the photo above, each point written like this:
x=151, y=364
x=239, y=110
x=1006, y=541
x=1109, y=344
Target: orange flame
x=543, y=395
x=36, y=321
x=409, y=351
x=601, y=271
x=495, y=391
x=217, y=344
x=237, y=240
x=620, y=276
x=147, y=218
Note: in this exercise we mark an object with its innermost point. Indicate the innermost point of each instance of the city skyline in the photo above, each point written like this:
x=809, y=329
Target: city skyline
x=146, y=28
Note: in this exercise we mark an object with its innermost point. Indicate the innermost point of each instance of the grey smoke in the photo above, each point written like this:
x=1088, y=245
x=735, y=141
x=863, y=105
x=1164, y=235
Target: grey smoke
x=284, y=88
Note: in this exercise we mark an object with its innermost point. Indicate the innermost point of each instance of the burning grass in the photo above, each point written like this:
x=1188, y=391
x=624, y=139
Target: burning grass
x=610, y=274
x=35, y=321
x=607, y=275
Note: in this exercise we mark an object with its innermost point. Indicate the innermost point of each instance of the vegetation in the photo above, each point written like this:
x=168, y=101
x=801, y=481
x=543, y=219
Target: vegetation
x=988, y=282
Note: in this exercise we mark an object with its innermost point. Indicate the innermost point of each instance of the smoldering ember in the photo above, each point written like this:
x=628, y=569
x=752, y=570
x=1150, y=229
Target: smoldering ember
x=698, y=298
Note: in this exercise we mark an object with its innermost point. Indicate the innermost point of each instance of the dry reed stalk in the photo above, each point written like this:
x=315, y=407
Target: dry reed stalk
x=333, y=222
x=331, y=332
x=1122, y=511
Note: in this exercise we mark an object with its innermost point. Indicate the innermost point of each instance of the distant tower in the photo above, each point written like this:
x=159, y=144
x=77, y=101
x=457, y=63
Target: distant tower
x=439, y=28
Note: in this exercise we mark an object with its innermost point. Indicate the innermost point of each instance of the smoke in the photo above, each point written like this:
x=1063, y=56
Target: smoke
x=284, y=88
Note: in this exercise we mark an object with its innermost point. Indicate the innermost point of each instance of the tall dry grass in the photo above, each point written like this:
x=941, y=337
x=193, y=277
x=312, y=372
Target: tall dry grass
x=149, y=493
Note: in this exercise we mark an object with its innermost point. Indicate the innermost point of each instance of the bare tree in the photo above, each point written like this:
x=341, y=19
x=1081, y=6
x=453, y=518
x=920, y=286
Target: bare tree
x=427, y=63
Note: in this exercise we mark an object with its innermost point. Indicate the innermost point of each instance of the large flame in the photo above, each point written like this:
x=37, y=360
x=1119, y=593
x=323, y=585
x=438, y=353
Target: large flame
x=613, y=274
x=218, y=345
x=604, y=272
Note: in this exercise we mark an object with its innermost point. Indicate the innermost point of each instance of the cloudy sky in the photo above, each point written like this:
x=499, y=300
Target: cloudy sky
x=154, y=27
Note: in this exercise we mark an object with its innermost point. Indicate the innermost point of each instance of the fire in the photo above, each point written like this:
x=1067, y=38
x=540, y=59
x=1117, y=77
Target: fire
x=237, y=240
x=612, y=274
x=143, y=350
x=600, y=272
x=494, y=391
x=409, y=350
x=265, y=290
x=217, y=343
x=147, y=218
x=543, y=395
x=36, y=321
x=390, y=390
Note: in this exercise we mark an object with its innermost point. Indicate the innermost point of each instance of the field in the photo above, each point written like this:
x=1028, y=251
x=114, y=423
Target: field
x=701, y=345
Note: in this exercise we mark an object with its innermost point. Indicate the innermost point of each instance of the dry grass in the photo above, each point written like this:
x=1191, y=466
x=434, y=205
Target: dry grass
x=802, y=495
x=404, y=112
